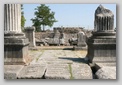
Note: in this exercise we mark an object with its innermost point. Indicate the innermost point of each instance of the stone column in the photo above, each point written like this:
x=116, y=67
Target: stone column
x=104, y=20
x=102, y=44
x=15, y=42
x=12, y=18
x=30, y=34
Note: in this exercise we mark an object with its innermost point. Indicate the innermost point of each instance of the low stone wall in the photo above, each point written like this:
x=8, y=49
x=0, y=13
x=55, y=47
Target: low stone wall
x=65, y=33
x=42, y=35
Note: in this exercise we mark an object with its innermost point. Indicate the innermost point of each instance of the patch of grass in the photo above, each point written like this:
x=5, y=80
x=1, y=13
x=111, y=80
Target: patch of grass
x=70, y=70
x=39, y=55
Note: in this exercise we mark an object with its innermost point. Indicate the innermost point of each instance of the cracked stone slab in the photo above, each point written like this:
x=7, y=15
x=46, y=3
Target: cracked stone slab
x=32, y=72
x=12, y=71
x=106, y=73
x=57, y=71
x=81, y=71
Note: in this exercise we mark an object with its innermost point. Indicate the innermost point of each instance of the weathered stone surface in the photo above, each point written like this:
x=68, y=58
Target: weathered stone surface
x=104, y=19
x=36, y=56
x=15, y=42
x=15, y=53
x=110, y=64
x=68, y=30
x=56, y=64
x=81, y=39
x=62, y=35
x=30, y=34
x=56, y=33
x=57, y=71
x=53, y=41
x=32, y=72
x=81, y=42
x=12, y=71
x=81, y=71
x=12, y=13
x=102, y=44
x=106, y=73
x=104, y=59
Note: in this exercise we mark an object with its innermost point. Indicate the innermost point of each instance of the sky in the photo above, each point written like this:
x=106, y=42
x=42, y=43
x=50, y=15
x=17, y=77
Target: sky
x=69, y=15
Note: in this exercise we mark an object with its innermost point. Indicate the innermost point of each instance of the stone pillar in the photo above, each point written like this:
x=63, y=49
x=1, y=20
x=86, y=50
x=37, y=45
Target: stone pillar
x=102, y=44
x=81, y=44
x=12, y=18
x=56, y=39
x=15, y=42
x=62, y=38
x=30, y=34
x=104, y=20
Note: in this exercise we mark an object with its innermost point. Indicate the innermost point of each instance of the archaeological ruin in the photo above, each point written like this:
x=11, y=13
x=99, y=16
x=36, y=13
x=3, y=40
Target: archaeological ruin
x=60, y=36
x=61, y=53
x=15, y=42
x=30, y=34
x=102, y=44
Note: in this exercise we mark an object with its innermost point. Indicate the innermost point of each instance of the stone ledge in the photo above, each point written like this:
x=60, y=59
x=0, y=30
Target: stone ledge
x=16, y=41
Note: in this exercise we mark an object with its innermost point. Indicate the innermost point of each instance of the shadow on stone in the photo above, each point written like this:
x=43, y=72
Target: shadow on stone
x=79, y=60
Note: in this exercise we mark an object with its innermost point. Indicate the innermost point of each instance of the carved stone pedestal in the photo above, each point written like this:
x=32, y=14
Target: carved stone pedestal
x=102, y=47
x=15, y=49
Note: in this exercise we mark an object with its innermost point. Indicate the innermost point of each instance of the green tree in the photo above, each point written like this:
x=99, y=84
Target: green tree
x=22, y=18
x=44, y=17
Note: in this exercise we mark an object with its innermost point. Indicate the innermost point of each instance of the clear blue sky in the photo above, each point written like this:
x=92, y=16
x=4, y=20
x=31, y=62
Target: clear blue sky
x=69, y=15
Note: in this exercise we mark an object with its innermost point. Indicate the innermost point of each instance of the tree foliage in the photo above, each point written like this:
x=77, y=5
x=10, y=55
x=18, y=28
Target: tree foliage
x=43, y=17
x=22, y=18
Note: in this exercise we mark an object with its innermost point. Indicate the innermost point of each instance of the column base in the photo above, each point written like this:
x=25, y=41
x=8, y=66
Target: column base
x=102, y=48
x=15, y=49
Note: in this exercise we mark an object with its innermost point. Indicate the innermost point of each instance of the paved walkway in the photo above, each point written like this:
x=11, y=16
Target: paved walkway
x=56, y=64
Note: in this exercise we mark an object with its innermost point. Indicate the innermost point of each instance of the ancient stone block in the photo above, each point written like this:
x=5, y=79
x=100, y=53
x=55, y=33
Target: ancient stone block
x=81, y=42
x=15, y=42
x=30, y=34
x=57, y=71
x=106, y=73
x=12, y=71
x=15, y=49
x=102, y=44
x=32, y=72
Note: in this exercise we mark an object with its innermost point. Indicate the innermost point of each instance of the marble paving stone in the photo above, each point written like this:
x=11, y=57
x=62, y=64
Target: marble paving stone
x=32, y=72
x=81, y=71
x=57, y=71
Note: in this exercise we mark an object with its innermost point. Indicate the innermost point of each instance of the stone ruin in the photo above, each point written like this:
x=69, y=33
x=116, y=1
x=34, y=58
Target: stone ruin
x=15, y=42
x=30, y=34
x=65, y=36
x=102, y=44
x=81, y=41
x=101, y=49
